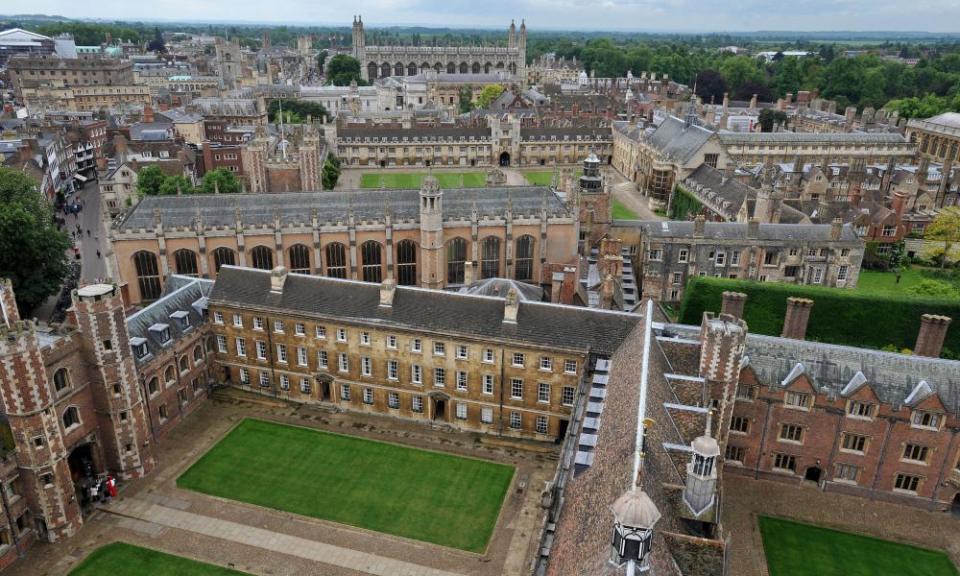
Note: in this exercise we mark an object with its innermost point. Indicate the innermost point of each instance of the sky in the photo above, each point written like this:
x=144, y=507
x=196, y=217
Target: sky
x=647, y=15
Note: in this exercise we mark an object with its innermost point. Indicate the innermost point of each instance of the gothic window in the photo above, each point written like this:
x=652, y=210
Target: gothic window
x=262, y=257
x=438, y=67
x=487, y=67
x=411, y=69
x=490, y=257
x=336, y=260
x=185, y=262
x=61, y=379
x=384, y=70
x=370, y=254
x=407, y=263
x=513, y=68
x=398, y=69
x=223, y=257
x=475, y=68
x=451, y=68
x=71, y=417
x=372, y=71
x=456, y=260
x=524, y=258
x=499, y=65
x=299, y=259
x=148, y=275
x=463, y=68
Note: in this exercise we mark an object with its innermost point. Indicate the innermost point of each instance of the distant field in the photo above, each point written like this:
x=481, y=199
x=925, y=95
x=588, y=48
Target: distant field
x=120, y=559
x=409, y=180
x=794, y=549
x=419, y=494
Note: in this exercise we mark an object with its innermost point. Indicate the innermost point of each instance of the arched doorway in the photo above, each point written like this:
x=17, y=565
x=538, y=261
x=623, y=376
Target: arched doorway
x=325, y=384
x=438, y=407
x=84, y=471
x=504, y=158
x=813, y=474
x=955, y=509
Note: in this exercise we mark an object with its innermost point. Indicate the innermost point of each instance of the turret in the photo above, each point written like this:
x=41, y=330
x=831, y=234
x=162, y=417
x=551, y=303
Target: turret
x=512, y=35
x=431, y=232
x=699, y=494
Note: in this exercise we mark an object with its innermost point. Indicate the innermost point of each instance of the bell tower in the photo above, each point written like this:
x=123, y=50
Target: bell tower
x=431, y=233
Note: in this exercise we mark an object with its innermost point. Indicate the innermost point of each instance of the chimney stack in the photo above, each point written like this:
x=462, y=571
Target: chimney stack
x=699, y=226
x=753, y=228
x=899, y=203
x=836, y=229
x=148, y=114
x=798, y=315
x=733, y=303
x=606, y=292
x=388, y=288
x=278, y=277
x=933, y=331
x=511, y=307
x=610, y=260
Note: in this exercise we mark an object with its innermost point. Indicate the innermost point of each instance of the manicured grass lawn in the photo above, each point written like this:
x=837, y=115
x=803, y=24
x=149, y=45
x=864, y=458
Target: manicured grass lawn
x=543, y=177
x=407, y=492
x=621, y=212
x=412, y=179
x=794, y=549
x=883, y=283
x=120, y=559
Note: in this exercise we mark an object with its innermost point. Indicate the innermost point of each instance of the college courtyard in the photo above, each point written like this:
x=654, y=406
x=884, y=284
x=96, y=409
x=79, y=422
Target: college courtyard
x=251, y=485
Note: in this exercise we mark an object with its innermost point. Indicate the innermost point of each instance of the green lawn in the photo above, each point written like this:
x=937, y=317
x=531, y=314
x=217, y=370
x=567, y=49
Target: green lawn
x=407, y=492
x=408, y=180
x=120, y=559
x=544, y=177
x=882, y=283
x=621, y=212
x=794, y=549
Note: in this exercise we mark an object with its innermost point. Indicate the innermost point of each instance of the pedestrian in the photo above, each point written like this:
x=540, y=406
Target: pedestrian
x=98, y=254
x=88, y=232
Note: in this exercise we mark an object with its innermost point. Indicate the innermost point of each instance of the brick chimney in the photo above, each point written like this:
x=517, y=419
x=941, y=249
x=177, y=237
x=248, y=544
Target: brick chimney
x=278, y=277
x=733, y=303
x=606, y=292
x=798, y=315
x=511, y=308
x=148, y=114
x=836, y=229
x=610, y=260
x=933, y=331
x=899, y=203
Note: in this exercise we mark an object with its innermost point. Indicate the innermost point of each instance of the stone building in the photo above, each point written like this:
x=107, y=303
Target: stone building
x=120, y=98
x=429, y=238
x=668, y=254
x=50, y=71
x=289, y=160
x=496, y=142
x=817, y=147
x=937, y=138
x=83, y=400
x=403, y=60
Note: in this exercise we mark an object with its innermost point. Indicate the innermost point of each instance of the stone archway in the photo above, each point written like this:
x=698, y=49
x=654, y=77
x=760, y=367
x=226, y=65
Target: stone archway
x=324, y=387
x=504, y=158
x=955, y=509
x=813, y=474
x=439, y=407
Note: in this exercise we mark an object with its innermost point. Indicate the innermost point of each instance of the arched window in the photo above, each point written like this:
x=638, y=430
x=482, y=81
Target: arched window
x=475, y=68
x=456, y=260
x=451, y=68
x=524, y=258
x=169, y=375
x=71, y=417
x=407, y=263
x=223, y=257
x=336, y=255
x=487, y=67
x=438, y=67
x=372, y=71
x=61, y=379
x=185, y=262
x=464, y=68
x=490, y=257
x=370, y=255
x=398, y=69
x=411, y=69
x=153, y=386
x=262, y=257
x=299, y=259
x=184, y=364
x=148, y=275
x=197, y=354
x=384, y=70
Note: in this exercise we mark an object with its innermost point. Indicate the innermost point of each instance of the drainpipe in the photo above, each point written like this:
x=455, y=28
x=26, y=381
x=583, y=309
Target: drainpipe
x=763, y=438
x=883, y=453
x=836, y=443
x=268, y=328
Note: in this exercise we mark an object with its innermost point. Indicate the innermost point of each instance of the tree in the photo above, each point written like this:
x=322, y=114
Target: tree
x=157, y=44
x=489, y=93
x=344, y=69
x=711, y=86
x=33, y=252
x=321, y=59
x=220, y=180
x=945, y=229
x=466, y=99
x=331, y=172
x=295, y=111
x=770, y=118
x=149, y=179
x=173, y=185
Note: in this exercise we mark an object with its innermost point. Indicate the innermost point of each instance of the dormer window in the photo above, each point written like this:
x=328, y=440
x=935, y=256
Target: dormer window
x=924, y=419
x=859, y=409
x=797, y=400
x=161, y=332
x=139, y=346
x=182, y=318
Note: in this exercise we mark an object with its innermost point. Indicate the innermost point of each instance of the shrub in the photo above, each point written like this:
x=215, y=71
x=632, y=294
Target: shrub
x=839, y=316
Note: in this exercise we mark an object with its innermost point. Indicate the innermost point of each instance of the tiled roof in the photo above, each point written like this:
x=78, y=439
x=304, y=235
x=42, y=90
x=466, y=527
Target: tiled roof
x=738, y=231
x=677, y=141
x=182, y=295
x=751, y=138
x=333, y=206
x=418, y=309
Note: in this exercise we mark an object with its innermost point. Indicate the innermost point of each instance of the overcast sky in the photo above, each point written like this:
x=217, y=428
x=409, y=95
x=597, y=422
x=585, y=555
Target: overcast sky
x=659, y=15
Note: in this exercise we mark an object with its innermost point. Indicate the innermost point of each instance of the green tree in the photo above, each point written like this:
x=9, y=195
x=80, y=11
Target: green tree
x=33, y=252
x=220, y=180
x=331, y=172
x=769, y=118
x=945, y=229
x=466, y=99
x=172, y=185
x=741, y=72
x=489, y=93
x=344, y=69
x=149, y=179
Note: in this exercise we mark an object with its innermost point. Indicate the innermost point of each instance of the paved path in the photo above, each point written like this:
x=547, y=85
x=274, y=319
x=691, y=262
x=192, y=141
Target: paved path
x=626, y=192
x=339, y=556
x=90, y=218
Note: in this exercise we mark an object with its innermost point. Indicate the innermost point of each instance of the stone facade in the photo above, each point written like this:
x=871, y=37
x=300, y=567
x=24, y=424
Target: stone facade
x=50, y=71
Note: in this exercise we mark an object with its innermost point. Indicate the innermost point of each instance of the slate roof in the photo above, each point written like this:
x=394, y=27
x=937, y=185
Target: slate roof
x=332, y=206
x=675, y=140
x=948, y=119
x=831, y=367
x=419, y=309
x=738, y=231
x=183, y=295
x=417, y=132
x=727, y=189
x=749, y=138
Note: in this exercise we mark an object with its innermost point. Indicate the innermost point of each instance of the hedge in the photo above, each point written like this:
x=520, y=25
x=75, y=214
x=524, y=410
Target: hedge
x=839, y=315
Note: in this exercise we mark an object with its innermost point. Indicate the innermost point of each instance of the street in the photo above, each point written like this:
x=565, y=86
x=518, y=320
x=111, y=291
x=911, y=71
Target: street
x=91, y=267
